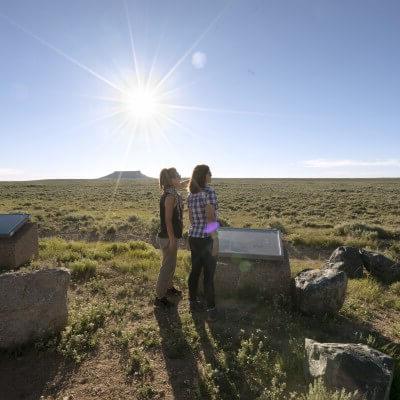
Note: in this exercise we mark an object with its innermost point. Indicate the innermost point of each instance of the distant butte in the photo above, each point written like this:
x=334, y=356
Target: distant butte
x=125, y=175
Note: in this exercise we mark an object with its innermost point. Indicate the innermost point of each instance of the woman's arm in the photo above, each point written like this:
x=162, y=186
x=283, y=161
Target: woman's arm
x=169, y=210
x=211, y=205
x=210, y=213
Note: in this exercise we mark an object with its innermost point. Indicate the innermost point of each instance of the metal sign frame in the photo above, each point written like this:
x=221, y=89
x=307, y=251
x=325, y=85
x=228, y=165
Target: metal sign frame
x=259, y=256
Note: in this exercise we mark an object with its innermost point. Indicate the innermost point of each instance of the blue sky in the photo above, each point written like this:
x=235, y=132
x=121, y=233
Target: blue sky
x=257, y=88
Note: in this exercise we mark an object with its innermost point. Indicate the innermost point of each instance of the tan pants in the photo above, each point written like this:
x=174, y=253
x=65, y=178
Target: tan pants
x=167, y=269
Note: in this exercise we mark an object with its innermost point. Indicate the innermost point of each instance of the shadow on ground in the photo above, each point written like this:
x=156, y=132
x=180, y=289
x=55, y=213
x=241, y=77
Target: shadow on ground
x=283, y=331
x=179, y=359
x=29, y=374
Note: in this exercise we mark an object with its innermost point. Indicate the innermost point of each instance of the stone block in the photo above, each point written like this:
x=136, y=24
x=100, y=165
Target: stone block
x=32, y=305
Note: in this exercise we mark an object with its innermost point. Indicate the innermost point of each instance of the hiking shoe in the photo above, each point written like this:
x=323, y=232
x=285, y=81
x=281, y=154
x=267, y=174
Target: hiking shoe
x=196, y=306
x=174, y=292
x=163, y=302
x=212, y=314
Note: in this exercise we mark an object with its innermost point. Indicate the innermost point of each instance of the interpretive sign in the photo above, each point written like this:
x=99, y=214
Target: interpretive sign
x=251, y=261
x=10, y=223
x=261, y=244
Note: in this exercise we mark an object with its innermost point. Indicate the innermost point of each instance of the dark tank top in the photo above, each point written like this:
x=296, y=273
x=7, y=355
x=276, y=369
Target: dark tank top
x=177, y=219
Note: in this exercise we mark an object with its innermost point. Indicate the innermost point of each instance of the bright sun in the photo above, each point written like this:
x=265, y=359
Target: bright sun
x=142, y=104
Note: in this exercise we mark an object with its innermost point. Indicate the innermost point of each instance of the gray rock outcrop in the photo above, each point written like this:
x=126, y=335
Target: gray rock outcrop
x=347, y=259
x=383, y=268
x=350, y=366
x=32, y=304
x=318, y=291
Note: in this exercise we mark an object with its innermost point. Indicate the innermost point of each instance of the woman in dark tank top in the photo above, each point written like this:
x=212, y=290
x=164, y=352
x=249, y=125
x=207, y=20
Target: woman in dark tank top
x=177, y=220
x=171, y=228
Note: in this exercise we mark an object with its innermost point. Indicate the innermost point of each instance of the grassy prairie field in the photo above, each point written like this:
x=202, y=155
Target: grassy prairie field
x=117, y=346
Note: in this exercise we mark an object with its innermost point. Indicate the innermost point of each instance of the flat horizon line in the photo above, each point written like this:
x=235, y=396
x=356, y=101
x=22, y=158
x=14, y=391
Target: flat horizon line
x=214, y=178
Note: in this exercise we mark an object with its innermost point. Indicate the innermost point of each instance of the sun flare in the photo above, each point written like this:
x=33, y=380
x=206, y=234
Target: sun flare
x=143, y=105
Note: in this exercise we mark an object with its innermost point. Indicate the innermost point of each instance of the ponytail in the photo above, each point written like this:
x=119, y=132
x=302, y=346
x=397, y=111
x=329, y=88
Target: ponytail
x=166, y=176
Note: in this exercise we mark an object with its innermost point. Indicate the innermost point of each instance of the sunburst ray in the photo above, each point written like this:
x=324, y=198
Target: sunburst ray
x=133, y=49
x=62, y=53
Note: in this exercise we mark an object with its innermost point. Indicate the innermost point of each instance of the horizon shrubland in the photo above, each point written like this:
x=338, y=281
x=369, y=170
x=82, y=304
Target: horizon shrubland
x=317, y=213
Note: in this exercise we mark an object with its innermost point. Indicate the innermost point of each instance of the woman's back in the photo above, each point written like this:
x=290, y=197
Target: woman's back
x=197, y=203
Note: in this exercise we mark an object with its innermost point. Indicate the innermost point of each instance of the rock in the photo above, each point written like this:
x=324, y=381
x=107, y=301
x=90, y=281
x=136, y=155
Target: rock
x=32, y=304
x=383, y=268
x=347, y=259
x=318, y=291
x=350, y=366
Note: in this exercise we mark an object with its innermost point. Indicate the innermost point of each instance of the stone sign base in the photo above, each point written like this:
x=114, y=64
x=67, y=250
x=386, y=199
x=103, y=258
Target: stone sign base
x=32, y=305
x=238, y=276
x=19, y=248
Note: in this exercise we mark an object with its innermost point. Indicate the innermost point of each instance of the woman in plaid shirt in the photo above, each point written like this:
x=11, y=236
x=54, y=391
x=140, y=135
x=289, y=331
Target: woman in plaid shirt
x=203, y=208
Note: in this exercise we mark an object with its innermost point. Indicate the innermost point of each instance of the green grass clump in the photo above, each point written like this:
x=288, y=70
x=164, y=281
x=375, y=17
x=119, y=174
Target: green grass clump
x=118, y=248
x=367, y=298
x=98, y=254
x=84, y=268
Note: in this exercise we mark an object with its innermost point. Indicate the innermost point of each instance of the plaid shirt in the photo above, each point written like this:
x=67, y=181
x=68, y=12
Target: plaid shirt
x=197, y=206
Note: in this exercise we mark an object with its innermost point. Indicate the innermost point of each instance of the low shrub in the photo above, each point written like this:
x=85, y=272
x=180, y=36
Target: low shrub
x=318, y=391
x=110, y=230
x=315, y=240
x=277, y=224
x=154, y=226
x=363, y=230
x=394, y=250
x=138, y=364
x=79, y=336
x=133, y=218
